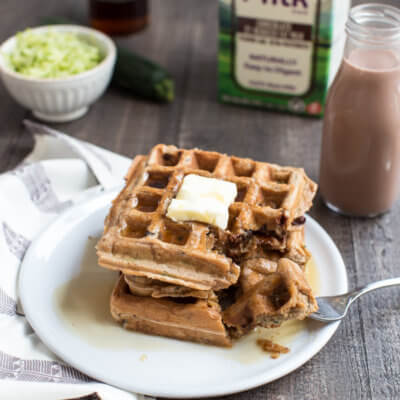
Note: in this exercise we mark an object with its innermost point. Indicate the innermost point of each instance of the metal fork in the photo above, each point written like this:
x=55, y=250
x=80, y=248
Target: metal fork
x=334, y=308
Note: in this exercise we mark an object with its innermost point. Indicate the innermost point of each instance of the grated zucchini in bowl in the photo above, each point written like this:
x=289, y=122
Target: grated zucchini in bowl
x=51, y=54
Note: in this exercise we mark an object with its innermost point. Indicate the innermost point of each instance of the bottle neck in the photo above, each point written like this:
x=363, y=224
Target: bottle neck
x=373, y=36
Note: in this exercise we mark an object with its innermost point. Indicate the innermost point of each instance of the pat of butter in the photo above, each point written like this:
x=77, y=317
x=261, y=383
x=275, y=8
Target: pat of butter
x=209, y=211
x=204, y=200
x=196, y=187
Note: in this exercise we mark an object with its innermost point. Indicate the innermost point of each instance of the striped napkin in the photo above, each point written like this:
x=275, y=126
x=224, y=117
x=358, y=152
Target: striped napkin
x=52, y=178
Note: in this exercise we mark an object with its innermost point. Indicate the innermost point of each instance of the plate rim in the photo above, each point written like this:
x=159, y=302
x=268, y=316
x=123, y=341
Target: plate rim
x=99, y=201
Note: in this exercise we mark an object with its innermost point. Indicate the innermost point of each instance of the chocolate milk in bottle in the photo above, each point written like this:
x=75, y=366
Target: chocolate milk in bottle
x=360, y=156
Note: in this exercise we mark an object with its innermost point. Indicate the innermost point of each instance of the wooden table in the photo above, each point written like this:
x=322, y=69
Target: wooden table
x=362, y=361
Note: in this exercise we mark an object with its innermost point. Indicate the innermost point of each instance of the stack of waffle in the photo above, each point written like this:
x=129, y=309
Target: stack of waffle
x=197, y=282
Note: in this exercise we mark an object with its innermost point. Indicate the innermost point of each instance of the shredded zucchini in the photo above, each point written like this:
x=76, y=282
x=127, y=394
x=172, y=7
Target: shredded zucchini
x=51, y=54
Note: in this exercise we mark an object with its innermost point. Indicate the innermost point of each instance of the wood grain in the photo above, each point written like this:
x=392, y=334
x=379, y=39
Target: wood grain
x=362, y=361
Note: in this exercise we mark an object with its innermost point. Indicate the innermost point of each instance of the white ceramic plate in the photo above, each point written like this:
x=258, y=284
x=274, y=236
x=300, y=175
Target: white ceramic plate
x=66, y=299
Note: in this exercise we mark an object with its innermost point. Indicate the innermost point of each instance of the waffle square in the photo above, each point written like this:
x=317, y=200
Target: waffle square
x=140, y=240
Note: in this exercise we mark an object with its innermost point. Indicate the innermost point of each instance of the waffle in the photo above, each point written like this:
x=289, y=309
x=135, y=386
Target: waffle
x=141, y=286
x=197, y=320
x=255, y=246
x=257, y=263
x=140, y=240
x=278, y=297
x=262, y=262
x=296, y=249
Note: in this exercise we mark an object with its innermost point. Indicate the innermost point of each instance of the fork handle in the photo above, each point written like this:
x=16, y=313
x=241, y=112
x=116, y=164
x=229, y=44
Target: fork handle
x=373, y=286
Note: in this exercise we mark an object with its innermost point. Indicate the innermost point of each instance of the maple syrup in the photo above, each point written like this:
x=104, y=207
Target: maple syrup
x=119, y=17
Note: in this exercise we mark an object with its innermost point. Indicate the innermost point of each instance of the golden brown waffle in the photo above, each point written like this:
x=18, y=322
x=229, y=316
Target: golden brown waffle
x=279, y=296
x=257, y=263
x=139, y=239
x=197, y=320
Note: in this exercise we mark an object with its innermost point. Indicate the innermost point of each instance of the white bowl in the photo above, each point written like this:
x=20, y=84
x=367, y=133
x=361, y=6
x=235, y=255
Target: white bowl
x=61, y=99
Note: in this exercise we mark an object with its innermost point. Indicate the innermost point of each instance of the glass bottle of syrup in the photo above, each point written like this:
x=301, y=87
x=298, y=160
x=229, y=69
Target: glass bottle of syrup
x=119, y=17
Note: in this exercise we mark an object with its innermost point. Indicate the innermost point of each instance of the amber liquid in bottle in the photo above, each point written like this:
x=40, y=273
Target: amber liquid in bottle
x=119, y=17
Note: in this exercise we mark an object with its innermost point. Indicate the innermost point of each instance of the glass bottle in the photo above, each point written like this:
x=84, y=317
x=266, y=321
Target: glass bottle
x=360, y=155
x=118, y=17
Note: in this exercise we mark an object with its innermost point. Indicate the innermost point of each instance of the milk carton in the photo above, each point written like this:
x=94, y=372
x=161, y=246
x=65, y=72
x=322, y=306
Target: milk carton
x=280, y=54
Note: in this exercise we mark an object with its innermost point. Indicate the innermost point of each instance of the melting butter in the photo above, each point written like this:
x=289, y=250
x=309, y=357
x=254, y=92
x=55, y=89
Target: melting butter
x=203, y=199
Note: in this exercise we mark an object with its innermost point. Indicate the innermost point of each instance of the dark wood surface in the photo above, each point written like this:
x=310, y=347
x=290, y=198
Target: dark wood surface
x=362, y=361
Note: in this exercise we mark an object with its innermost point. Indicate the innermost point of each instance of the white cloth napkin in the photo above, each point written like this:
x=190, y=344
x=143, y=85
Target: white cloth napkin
x=52, y=178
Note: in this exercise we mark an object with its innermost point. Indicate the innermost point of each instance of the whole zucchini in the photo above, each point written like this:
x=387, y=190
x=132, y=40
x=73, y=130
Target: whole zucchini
x=142, y=77
x=134, y=73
